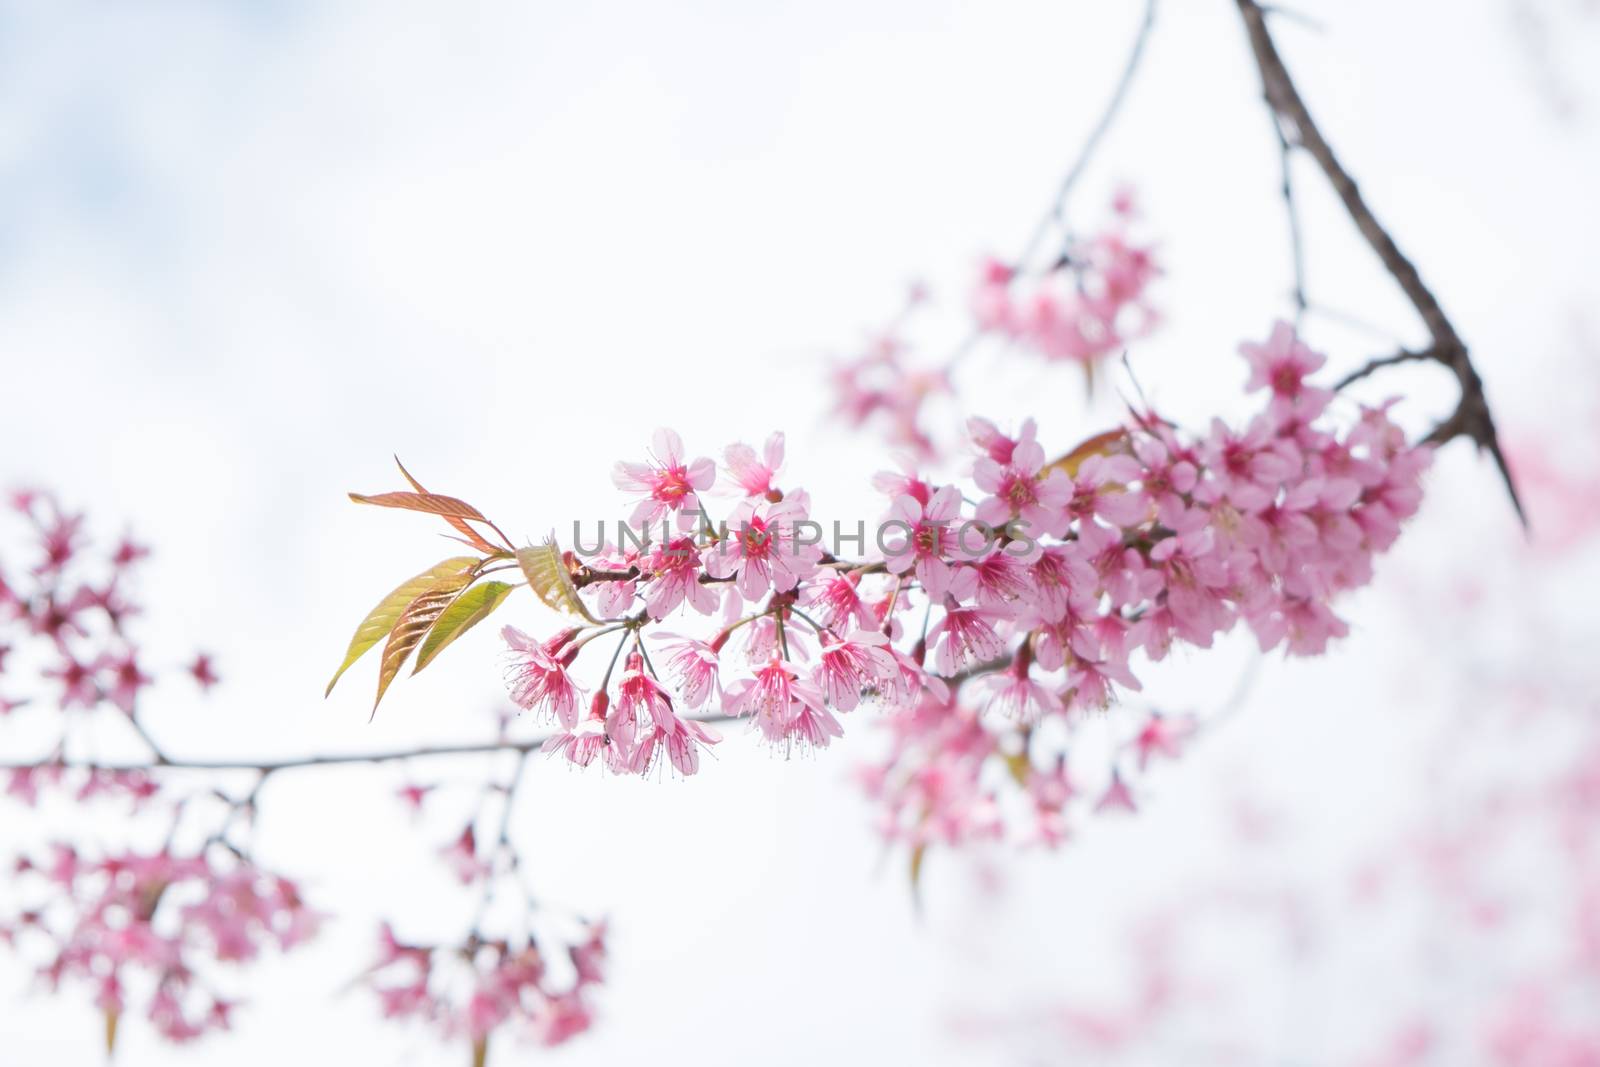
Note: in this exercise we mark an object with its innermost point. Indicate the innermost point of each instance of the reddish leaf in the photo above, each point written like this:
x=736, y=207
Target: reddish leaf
x=434, y=504
x=474, y=538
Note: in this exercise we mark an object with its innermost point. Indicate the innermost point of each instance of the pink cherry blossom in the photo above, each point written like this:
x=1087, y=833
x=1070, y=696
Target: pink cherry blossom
x=1021, y=488
x=669, y=483
x=1282, y=365
x=538, y=680
x=640, y=698
x=695, y=666
x=965, y=636
x=750, y=474
x=673, y=571
x=763, y=550
x=858, y=664
x=782, y=703
x=1117, y=797
x=924, y=537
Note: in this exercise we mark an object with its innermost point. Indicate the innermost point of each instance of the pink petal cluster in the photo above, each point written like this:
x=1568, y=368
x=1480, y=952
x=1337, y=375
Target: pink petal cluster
x=538, y=990
x=141, y=930
x=1088, y=306
x=1047, y=586
x=68, y=612
x=883, y=388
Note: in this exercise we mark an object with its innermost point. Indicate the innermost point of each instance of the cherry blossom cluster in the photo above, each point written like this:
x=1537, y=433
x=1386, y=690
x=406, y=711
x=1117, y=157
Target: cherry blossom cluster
x=885, y=387
x=1084, y=308
x=475, y=989
x=1466, y=929
x=152, y=925
x=1089, y=305
x=986, y=619
x=162, y=931
x=67, y=656
x=66, y=609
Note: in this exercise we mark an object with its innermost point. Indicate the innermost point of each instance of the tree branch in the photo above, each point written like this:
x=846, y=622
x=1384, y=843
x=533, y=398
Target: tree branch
x=1380, y=362
x=1472, y=417
x=1058, y=206
x=297, y=762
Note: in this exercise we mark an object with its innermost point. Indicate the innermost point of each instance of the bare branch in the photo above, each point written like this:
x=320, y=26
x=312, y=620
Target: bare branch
x=1472, y=417
x=1377, y=364
x=264, y=767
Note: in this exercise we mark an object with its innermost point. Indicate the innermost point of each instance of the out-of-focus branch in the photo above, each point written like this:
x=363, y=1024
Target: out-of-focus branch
x=1472, y=417
x=1374, y=365
x=1297, y=252
x=1058, y=206
x=172, y=763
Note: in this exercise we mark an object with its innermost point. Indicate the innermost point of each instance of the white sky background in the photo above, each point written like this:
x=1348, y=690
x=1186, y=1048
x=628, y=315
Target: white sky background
x=247, y=251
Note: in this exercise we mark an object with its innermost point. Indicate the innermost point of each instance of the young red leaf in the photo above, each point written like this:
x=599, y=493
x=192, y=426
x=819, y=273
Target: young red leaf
x=473, y=537
x=432, y=503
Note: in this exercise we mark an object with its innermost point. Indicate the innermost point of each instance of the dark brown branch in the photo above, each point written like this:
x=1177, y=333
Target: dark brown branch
x=1380, y=362
x=1471, y=418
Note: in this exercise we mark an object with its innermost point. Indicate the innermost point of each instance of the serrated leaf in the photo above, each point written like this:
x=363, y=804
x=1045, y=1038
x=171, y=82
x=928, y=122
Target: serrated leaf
x=432, y=503
x=465, y=611
x=381, y=619
x=473, y=537
x=548, y=577
x=1101, y=444
x=415, y=621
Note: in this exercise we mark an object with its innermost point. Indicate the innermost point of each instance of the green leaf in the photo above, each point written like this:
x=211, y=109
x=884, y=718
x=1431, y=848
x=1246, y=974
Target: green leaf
x=381, y=619
x=415, y=621
x=465, y=611
x=548, y=577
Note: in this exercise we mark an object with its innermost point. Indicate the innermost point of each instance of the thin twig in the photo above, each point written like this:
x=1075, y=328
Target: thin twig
x=1058, y=207
x=1380, y=362
x=1292, y=211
